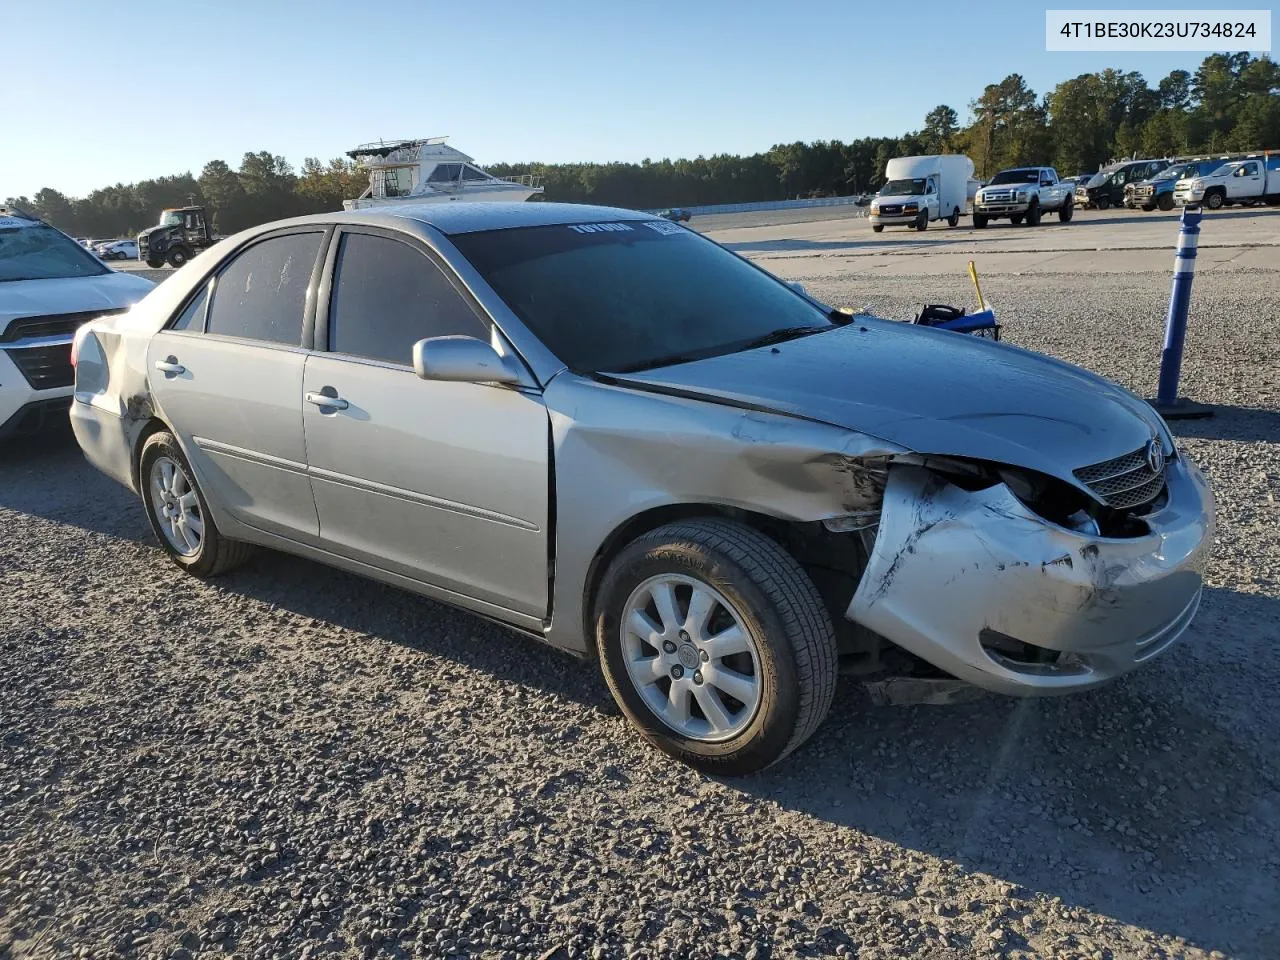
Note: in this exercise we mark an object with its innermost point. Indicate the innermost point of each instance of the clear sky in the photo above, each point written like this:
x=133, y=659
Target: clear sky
x=95, y=92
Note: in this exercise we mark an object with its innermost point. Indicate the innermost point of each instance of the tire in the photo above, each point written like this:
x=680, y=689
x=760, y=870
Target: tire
x=979, y=222
x=1015, y=219
x=1166, y=201
x=1033, y=214
x=922, y=221
x=213, y=553
x=178, y=256
x=954, y=219
x=155, y=264
x=785, y=639
x=877, y=227
x=1104, y=203
x=1215, y=200
x=1066, y=211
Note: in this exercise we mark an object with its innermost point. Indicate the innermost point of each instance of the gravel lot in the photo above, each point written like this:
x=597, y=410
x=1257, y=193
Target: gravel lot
x=295, y=762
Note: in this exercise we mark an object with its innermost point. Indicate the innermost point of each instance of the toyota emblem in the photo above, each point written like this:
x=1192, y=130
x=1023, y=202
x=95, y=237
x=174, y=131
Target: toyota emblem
x=1155, y=456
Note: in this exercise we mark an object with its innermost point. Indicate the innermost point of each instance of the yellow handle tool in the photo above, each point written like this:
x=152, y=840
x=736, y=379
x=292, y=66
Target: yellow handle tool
x=973, y=275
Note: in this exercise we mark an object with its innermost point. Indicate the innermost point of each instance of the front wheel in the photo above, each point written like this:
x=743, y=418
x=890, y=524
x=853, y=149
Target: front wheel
x=1033, y=215
x=155, y=264
x=177, y=512
x=922, y=221
x=716, y=645
x=1104, y=203
x=1165, y=202
x=1215, y=201
x=178, y=256
x=979, y=222
x=877, y=227
x=1066, y=211
x=1016, y=219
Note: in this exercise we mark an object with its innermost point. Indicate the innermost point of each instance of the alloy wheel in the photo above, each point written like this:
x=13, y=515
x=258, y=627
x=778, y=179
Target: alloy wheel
x=176, y=506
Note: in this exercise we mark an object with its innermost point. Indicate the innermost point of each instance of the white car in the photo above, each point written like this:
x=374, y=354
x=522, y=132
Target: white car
x=49, y=286
x=118, y=250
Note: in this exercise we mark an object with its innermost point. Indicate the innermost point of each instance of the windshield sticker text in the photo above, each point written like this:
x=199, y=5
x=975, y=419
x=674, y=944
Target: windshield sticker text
x=600, y=228
x=664, y=227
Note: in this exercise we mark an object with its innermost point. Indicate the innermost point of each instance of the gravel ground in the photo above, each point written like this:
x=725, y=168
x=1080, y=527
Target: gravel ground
x=294, y=762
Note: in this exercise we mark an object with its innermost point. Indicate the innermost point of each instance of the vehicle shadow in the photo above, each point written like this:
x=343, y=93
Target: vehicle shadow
x=1124, y=215
x=1243, y=424
x=1130, y=801
x=31, y=470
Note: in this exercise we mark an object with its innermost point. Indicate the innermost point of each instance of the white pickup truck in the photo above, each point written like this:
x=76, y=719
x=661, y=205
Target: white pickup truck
x=1249, y=180
x=1023, y=193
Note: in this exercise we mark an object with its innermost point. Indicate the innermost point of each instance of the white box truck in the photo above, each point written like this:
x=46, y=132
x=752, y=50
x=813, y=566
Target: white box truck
x=921, y=189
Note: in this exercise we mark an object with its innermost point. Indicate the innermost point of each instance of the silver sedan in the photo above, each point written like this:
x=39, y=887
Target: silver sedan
x=606, y=431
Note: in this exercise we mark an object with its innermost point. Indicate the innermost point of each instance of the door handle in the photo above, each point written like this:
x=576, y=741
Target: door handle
x=170, y=366
x=325, y=400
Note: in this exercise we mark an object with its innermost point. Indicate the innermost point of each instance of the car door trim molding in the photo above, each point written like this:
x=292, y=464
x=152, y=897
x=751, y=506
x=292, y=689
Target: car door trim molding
x=409, y=496
x=252, y=456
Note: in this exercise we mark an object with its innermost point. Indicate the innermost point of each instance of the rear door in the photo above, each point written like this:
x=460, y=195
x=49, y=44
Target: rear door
x=445, y=483
x=226, y=375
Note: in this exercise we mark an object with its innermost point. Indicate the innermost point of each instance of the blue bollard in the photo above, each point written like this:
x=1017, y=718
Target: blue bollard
x=1167, y=402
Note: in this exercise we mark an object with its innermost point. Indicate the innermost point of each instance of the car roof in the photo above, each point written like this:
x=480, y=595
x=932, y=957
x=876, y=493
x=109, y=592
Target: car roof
x=472, y=217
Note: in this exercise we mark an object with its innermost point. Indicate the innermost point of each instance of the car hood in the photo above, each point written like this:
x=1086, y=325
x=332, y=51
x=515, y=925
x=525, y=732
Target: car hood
x=37, y=298
x=931, y=391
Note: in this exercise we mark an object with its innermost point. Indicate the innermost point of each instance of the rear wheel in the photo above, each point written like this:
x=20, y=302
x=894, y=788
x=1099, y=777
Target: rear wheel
x=979, y=221
x=1165, y=202
x=954, y=219
x=716, y=645
x=1066, y=211
x=177, y=512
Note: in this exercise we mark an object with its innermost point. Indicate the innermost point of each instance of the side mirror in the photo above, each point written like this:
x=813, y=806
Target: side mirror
x=462, y=359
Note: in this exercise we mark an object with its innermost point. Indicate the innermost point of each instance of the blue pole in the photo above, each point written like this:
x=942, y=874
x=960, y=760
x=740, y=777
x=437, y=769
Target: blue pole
x=1175, y=331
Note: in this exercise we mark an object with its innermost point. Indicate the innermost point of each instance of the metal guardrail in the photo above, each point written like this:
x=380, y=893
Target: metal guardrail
x=766, y=205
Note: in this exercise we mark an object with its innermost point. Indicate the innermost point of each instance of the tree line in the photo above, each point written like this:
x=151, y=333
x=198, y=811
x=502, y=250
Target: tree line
x=1231, y=102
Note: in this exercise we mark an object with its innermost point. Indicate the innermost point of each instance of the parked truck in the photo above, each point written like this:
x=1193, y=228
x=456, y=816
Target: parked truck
x=1023, y=194
x=1106, y=188
x=1251, y=179
x=181, y=233
x=922, y=189
x=1157, y=192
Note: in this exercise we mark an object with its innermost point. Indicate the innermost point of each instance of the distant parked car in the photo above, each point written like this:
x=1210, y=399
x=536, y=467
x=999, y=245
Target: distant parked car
x=678, y=214
x=119, y=250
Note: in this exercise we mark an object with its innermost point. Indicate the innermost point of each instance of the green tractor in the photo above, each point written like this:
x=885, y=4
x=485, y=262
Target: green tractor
x=181, y=233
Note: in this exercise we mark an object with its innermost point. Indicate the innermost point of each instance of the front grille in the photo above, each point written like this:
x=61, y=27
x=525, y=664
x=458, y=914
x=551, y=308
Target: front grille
x=999, y=196
x=891, y=210
x=45, y=367
x=1124, y=481
x=54, y=325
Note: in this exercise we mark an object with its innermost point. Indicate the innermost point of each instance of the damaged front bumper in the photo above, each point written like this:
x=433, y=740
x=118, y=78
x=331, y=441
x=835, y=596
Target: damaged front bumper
x=978, y=585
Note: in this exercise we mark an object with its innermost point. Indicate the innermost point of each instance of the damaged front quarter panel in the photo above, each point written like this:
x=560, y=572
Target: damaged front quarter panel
x=959, y=577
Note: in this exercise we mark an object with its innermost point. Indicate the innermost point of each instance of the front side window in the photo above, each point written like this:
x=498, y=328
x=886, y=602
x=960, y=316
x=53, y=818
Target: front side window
x=1248, y=170
x=30, y=250
x=636, y=294
x=471, y=173
x=387, y=296
x=262, y=295
x=445, y=173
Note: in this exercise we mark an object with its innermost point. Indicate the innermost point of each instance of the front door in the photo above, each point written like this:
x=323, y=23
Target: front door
x=1246, y=181
x=227, y=376
x=445, y=483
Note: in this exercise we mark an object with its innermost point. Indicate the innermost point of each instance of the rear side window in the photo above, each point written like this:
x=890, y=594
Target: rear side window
x=263, y=293
x=192, y=318
x=387, y=296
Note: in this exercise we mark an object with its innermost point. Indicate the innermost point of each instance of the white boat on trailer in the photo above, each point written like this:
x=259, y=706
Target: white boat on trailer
x=430, y=171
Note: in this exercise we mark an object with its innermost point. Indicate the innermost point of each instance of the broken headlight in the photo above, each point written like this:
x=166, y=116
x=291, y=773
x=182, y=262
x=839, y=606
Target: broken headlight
x=1045, y=496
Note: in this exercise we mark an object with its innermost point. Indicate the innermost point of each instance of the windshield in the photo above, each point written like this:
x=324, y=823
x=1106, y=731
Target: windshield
x=1176, y=172
x=1016, y=176
x=36, y=251
x=171, y=218
x=903, y=188
x=1099, y=178
x=1225, y=169
x=633, y=294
